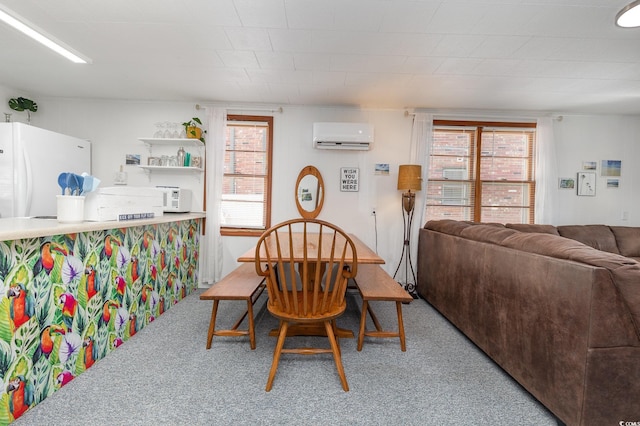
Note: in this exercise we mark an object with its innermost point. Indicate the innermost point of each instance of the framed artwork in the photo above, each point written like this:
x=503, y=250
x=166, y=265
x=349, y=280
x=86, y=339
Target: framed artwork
x=587, y=183
x=589, y=165
x=613, y=183
x=566, y=183
x=611, y=167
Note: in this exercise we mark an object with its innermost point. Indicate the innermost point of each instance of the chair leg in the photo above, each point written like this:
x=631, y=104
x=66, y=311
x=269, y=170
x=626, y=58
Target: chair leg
x=336, y=355
x=276, y=354
x=334, y=324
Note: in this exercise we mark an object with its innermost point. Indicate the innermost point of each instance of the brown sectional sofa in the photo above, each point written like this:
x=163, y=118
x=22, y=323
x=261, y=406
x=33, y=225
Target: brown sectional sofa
x=558, y=308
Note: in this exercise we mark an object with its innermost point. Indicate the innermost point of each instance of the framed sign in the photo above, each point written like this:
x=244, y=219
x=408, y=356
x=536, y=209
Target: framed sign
x=349, y=179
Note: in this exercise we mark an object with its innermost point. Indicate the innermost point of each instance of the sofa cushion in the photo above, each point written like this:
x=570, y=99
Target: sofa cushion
x=628, y=240
x=447, y=226
x=540, y=229
x=488, y=233
x=597, y=236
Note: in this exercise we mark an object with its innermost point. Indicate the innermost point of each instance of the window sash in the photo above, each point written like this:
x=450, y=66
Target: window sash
x=482, y=171
x=246, y=194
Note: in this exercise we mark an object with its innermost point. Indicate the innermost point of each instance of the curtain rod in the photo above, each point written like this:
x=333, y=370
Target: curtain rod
x=279, y=109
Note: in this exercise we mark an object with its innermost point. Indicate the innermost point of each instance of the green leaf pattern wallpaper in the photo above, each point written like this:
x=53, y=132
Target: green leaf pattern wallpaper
x=66, y=301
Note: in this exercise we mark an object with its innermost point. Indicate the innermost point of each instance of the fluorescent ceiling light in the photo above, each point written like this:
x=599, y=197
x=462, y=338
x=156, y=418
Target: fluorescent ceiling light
x=40, y=36
x=629, y=16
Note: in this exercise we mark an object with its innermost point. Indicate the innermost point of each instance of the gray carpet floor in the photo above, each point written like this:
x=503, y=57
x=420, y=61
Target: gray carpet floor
x=165, y=376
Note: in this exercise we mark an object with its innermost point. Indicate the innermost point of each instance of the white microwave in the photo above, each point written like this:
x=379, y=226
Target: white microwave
x=176, y=200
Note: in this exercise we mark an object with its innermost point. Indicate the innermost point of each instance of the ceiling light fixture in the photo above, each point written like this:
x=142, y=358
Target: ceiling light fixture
x=24, y=26
x=629, y=16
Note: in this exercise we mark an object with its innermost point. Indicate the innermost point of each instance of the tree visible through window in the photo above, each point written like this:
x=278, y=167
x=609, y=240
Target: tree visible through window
x=246, y=185
x=482, y=171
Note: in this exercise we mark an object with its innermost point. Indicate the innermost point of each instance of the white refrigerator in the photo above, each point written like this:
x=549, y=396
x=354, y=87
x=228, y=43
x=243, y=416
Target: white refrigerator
x=30, y=161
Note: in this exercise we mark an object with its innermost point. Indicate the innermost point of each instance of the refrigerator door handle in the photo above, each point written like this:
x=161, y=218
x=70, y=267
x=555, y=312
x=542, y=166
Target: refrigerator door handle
x=29, y=180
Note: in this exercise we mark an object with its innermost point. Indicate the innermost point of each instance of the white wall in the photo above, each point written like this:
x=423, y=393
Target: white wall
x=114, y=126
x=597, y=138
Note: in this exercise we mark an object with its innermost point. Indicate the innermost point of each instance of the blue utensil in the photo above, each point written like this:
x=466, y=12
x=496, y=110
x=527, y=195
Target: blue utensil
x=62, y=181
x=72, y=183
x=80, y=182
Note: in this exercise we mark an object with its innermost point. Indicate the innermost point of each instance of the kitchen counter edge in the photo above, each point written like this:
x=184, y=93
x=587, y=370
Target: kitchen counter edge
x=15, y=228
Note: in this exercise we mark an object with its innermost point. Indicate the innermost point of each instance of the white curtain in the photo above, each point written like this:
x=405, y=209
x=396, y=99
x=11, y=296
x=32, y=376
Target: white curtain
x=546, y=172
x=211, y=258
x=420, y=149
x=421, y=140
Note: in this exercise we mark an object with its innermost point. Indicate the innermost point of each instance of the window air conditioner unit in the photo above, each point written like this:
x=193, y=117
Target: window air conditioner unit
x=343, y=136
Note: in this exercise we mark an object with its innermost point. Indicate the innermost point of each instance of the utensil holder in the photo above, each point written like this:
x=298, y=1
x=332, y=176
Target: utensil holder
x=70, y=208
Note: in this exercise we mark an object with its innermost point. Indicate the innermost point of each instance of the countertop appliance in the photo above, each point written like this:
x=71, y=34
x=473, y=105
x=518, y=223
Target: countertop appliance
x=123, y=203
x=31, y=159
x=176, y=200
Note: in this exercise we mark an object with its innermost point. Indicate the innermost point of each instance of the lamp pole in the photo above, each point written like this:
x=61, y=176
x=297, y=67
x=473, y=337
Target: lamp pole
x=408, y=203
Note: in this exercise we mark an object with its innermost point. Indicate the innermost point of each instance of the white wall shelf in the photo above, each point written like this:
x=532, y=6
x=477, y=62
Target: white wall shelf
x=165, y=141
x=173, y=169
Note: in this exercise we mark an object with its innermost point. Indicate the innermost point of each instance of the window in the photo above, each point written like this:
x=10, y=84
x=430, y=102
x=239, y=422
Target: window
x=246, y=184
x=482, y=171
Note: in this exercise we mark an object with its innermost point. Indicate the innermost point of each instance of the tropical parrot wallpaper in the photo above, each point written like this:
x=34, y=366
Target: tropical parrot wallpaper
x=66, y=301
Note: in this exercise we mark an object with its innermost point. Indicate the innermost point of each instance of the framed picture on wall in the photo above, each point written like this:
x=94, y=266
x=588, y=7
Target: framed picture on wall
x=567, y=183
x=611, y=167
x=587, y=183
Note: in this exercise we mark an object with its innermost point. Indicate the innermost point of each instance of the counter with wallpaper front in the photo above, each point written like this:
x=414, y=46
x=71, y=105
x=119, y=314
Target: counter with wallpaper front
x=72, y=293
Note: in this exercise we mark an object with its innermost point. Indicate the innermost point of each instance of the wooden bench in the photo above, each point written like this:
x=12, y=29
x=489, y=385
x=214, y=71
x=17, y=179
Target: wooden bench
x=374, y=284
x=243, y=283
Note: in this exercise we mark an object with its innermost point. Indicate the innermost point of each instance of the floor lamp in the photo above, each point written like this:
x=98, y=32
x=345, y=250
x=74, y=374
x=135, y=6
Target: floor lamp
x=409, y=178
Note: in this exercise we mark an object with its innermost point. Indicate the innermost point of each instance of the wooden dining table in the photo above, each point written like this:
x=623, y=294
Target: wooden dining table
x=364, y=254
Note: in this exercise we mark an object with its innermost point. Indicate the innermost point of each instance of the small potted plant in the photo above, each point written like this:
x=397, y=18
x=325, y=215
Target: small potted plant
x=23, y=104
x=193, y=131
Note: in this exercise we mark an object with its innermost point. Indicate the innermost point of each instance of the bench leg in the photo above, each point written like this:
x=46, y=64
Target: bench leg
x=403, y=345
x=363, y=320
x=252, y=333
x=212, y=323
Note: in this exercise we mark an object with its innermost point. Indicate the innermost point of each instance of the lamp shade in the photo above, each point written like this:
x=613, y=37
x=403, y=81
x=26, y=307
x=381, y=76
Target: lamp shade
x=410, y=177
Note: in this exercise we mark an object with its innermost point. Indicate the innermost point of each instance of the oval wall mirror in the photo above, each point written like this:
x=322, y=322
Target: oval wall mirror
x=309, y=192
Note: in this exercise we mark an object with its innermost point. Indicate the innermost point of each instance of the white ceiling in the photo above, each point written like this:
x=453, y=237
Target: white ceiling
x=538, y=55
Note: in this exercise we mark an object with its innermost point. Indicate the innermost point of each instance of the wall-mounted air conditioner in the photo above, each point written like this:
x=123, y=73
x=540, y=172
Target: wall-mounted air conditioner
x=344, y=136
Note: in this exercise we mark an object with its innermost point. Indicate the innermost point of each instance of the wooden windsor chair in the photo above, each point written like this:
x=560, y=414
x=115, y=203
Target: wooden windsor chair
x=293, y=256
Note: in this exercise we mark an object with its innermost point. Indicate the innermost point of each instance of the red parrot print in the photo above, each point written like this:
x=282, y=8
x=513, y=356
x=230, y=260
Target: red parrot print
x=21, y=396
x=134, y=269
x=163, y=259
x=161, y=306
x=89, y=352
x=121, y=286
x=22, y=305
x=92, y=284
x=133, y=325
x=154, y=272
x=46, y=341
x=69, y=307
x=64, y=378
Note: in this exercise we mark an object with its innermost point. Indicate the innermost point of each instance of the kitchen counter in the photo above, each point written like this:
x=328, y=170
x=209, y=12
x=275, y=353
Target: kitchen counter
x=84, y=289
x=22, y=227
